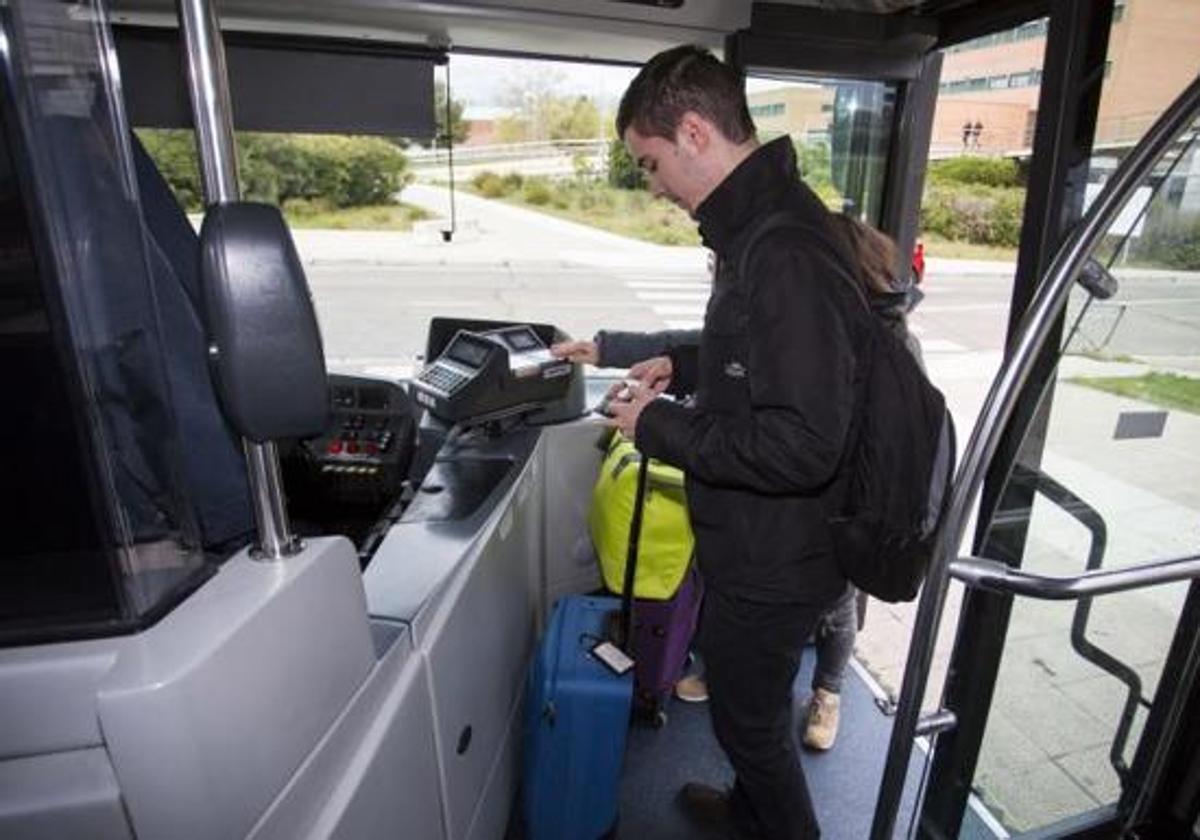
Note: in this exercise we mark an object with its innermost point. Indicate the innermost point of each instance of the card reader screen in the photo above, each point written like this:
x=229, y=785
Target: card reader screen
x=522, y=339
x=465, y=351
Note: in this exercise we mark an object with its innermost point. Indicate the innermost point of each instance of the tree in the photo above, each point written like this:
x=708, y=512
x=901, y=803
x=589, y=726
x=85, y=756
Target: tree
x=458, y=129
x=623, y=171
x=570, y=118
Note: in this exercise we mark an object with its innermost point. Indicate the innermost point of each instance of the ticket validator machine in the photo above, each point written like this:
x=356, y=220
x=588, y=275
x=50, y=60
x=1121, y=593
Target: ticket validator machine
x=481, y=371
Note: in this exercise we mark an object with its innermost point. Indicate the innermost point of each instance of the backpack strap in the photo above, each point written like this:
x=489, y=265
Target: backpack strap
x=792, y=219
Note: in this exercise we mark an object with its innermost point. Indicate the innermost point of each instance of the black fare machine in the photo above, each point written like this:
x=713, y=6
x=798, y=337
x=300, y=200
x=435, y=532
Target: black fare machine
x=481, y=373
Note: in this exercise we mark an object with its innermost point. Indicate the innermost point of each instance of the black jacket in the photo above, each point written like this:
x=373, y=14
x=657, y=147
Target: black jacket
x=774, y=380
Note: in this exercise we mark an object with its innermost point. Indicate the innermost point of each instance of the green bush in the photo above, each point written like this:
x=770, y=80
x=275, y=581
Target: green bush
x=1170, y=239
x=537, y=191
x=275, y=168
x=991, y=172
x=977, y=214
x=623, y=171
x=175, y=154
x=490, y=185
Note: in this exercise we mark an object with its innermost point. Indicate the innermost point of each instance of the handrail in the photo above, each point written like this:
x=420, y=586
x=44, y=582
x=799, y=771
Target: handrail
x=1035, y=326
x=995, y=576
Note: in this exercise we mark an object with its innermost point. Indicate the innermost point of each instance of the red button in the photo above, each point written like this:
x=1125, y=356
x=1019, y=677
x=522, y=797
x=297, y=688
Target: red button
x=335, y=446
x=352, y=447
x=372, y=449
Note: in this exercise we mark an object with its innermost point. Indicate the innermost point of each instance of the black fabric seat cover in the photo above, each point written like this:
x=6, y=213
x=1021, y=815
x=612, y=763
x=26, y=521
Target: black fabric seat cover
x=213, y=463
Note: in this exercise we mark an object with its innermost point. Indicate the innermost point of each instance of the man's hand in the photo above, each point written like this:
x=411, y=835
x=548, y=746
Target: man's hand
x=581, y=352
x=654, y=374
x=626, y=407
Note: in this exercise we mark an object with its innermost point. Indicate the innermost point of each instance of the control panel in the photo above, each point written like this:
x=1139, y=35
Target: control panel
x=357, y=466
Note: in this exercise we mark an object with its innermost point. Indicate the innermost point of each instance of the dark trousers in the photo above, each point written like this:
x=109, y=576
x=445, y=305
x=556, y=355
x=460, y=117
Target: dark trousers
x=752, y=653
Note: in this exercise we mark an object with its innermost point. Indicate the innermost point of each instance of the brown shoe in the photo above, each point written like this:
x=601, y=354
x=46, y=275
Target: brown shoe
x=705, y=806
x=821, y=729
x=692, y=689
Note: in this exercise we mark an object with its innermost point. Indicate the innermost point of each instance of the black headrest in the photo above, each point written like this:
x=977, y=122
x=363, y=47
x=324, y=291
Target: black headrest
x=265, y=345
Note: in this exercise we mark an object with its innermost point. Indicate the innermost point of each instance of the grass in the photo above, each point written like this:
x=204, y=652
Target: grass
x=398, y=217
x=937, y=246
x=632, y=213
x=657, y=221
x=1166, y=389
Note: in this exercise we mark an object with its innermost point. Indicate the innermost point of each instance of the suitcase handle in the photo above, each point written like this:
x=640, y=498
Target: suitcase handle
x=635, y=533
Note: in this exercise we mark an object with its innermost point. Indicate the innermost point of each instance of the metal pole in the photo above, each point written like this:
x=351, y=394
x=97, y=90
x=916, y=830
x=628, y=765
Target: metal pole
x=1049, y=300
x=208, y=85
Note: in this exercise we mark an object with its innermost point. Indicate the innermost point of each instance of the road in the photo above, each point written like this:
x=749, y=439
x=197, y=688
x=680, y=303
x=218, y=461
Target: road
x=376, y=291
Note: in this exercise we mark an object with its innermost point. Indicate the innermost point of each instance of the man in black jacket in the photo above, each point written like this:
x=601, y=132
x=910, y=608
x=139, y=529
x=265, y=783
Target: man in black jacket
x=774, y=379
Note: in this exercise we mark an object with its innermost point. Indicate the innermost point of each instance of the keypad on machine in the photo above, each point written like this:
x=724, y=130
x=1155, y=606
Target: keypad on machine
x=443, y=378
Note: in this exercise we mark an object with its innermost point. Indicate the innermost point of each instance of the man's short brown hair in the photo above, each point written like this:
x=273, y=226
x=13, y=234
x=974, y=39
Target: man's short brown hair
x=687, y=78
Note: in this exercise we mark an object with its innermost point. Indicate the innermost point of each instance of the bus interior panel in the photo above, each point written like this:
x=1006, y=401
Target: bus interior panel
x=267, y=575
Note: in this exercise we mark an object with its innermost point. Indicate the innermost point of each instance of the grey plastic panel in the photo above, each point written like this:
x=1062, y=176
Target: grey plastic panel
x=234, y=689
x=267, y=357
x=571, y=564
x=417, y=558
x=492, y=814
x=375, y=772
x=48, y=696
x=65, y=796
x=486, y=618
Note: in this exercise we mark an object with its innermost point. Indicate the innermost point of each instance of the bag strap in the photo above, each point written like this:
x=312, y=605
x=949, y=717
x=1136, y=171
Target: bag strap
x=791, y=219
x=631, y=557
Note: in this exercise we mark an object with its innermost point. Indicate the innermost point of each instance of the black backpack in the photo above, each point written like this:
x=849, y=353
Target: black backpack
x=899, y=460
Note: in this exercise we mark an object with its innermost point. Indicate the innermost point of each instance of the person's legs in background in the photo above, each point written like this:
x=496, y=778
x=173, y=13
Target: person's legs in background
x=834, y=638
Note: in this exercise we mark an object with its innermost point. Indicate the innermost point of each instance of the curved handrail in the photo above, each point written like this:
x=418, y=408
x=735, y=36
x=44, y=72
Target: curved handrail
x=1048, y=302
x=995, y=576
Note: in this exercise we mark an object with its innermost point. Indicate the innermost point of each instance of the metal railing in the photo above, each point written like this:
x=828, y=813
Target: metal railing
x=208, y=86
x=497, y=152
x=998, y=408
x=995, y=576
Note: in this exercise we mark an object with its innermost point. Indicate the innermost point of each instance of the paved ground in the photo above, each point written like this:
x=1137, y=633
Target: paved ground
x=1045, y=754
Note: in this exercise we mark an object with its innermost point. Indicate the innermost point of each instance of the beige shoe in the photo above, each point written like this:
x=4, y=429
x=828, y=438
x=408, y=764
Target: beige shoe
x=821, y=730
x=692, y=689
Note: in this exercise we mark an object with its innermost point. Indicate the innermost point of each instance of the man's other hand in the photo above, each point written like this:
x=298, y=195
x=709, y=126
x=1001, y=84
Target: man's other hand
x=624, y=411
x=654, y=374
x=581, y=352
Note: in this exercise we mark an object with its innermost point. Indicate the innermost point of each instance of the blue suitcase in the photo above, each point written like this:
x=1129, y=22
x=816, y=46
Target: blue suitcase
x=576, y=719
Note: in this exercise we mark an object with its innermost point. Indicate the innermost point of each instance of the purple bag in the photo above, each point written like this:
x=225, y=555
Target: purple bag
x=662, y=635
x=656, y=634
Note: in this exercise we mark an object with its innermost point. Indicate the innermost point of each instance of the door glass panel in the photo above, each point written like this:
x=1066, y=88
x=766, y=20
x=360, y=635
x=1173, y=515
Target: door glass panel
x=1115, y=459
x=840, y=129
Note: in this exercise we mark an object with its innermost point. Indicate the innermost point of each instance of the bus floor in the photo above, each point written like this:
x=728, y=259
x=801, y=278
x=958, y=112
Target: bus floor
x=843, y=782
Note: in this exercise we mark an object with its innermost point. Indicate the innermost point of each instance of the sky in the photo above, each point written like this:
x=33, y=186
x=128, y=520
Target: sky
x=484, y=81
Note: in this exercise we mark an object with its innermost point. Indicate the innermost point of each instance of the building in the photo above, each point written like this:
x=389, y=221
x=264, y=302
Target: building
x=992, y=84
x=804, y=111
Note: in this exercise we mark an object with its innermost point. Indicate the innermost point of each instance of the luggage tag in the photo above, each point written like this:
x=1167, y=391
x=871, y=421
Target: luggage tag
x=612, y=657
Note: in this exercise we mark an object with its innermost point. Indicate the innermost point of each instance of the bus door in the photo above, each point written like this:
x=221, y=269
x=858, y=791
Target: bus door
x=1072, y=699
x=856, y=94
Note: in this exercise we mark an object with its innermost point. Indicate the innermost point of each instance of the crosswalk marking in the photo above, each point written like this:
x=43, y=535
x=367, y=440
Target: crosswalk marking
x=941, y=345
x=676, y=296
x=679, y=301
x=683, y=286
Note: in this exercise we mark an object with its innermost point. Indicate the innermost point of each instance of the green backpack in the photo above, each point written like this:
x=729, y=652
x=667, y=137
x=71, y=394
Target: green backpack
x=665, y=544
